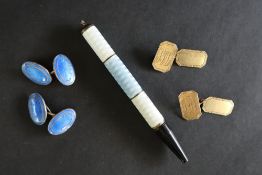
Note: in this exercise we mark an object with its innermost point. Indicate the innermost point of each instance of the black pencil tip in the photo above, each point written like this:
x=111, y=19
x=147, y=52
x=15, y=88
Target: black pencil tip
x=167, y=136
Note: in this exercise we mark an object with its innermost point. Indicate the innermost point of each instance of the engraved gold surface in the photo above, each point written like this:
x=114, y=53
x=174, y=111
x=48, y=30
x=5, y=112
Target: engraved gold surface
x=165, y=56
x=189, y=105
x=191, y=58
x=218, y=106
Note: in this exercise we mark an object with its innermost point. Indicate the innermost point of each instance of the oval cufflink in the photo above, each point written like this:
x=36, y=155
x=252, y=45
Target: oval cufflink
x=62, y=68
x=59, y=123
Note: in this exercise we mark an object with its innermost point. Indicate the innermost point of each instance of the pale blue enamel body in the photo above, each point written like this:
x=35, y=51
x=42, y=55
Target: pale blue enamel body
x=123, y=77
x=62, y=121
x=36, y=73
x=64, y=70
x=37, y=108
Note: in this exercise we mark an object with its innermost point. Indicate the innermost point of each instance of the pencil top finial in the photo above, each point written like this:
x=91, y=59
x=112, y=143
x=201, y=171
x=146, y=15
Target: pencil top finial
x=85, y=25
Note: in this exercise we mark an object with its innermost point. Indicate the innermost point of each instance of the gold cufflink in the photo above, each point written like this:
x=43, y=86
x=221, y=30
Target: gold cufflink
x=190, y=105
x=167, y=52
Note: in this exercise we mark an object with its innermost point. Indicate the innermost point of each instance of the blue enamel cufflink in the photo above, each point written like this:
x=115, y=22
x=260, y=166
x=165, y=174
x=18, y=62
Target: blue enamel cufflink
x=62, y=68
x=59, y=123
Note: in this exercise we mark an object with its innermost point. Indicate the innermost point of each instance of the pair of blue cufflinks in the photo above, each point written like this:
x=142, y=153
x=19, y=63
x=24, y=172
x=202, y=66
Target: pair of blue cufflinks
x=38, y=110
x=62, y=68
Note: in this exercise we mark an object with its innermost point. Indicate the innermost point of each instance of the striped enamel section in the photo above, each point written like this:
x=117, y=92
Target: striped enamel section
x=98, y=43
x=123, y=77
x=148, y=110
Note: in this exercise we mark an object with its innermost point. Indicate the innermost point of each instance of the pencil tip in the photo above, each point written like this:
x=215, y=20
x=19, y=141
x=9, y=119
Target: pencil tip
x=167, y=136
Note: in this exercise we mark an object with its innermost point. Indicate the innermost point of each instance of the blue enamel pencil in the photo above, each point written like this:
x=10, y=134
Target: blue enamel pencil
x=131, y=88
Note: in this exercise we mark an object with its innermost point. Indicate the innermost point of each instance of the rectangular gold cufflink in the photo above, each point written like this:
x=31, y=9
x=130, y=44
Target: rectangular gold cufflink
x=191, y=58
x=218, y=106
x=189, y=105
x=165, y=56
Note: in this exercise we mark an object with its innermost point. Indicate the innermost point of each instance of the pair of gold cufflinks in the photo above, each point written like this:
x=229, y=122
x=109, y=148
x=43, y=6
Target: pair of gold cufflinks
x=168, y=52
x=190, y=104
